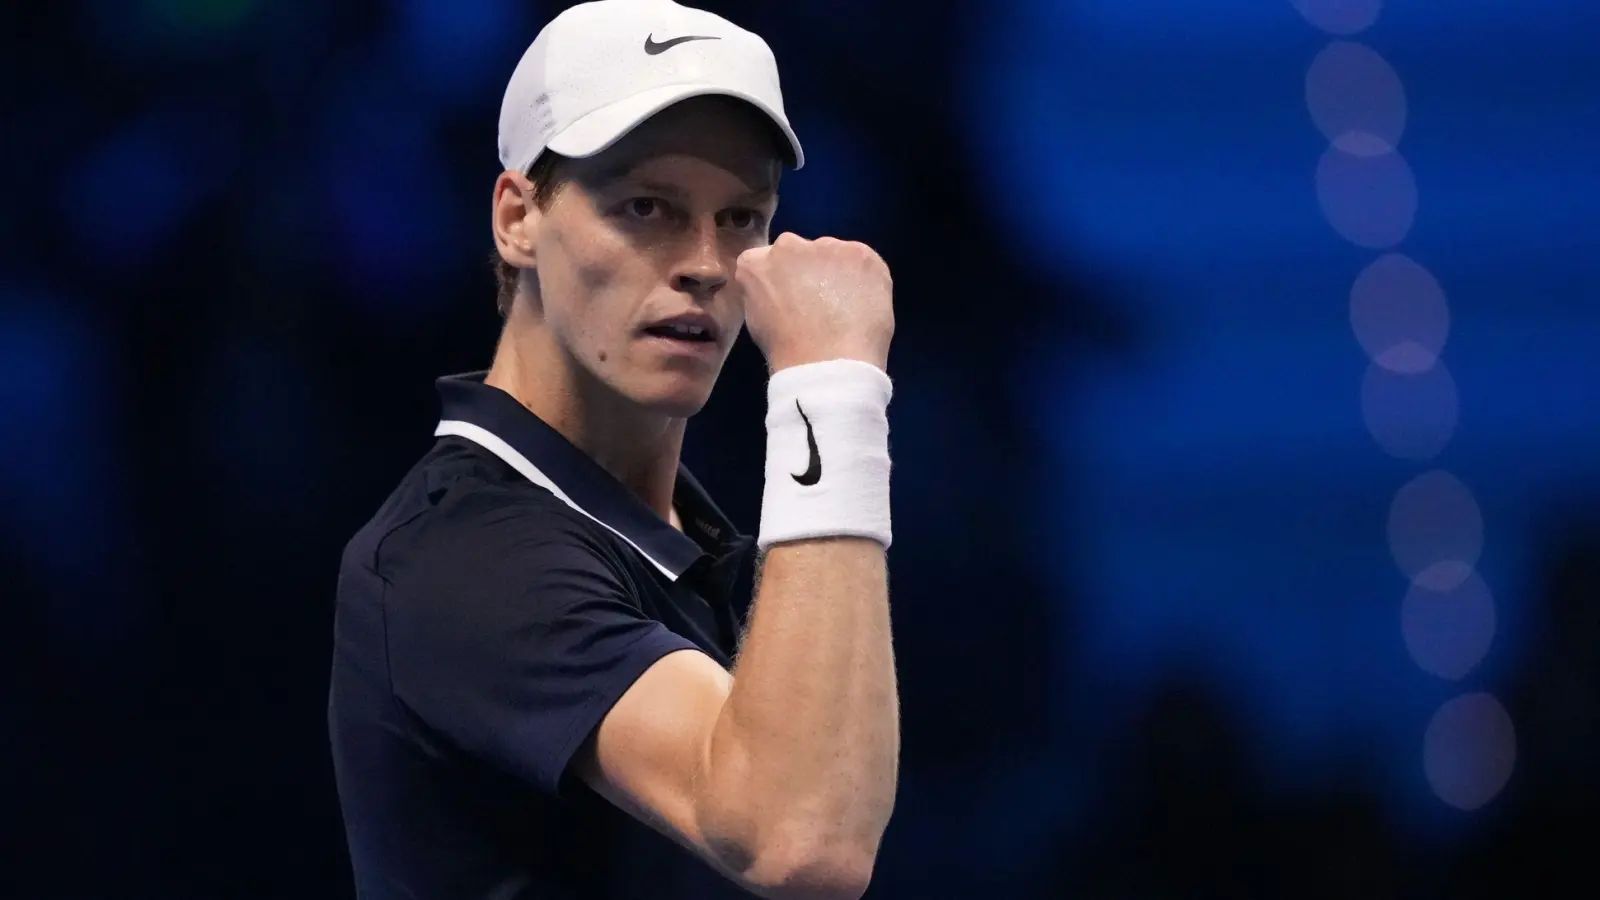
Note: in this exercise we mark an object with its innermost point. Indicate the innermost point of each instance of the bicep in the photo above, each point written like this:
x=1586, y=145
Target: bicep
x=651, y=754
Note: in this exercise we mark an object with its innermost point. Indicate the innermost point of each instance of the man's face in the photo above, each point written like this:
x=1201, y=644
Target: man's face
x=635, y=256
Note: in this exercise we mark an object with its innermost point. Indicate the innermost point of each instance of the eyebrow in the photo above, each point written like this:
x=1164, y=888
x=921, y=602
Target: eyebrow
x=624, y=170
x=670, y=191
x=617, y=171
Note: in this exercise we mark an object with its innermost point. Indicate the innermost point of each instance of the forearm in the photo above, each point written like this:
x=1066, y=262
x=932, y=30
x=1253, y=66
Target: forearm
x=804, y=758
x=802, y=762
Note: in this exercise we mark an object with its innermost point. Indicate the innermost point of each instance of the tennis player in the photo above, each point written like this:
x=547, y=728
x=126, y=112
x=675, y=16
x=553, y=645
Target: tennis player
x=541, y=685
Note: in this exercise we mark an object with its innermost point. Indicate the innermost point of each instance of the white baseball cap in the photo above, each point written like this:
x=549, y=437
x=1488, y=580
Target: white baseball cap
x=601, y=68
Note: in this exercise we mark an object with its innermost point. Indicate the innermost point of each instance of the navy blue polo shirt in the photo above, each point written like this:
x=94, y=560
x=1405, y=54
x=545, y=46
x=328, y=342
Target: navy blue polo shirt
x=503, y=597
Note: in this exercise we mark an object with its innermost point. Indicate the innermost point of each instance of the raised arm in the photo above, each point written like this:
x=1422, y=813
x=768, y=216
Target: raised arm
x=783, y=774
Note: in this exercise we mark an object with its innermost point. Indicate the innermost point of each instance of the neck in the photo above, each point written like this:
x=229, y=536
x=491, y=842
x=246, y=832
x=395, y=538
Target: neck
x=640, y=448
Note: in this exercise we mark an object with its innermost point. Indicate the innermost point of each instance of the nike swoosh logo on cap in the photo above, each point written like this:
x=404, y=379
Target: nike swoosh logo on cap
x=652, y=47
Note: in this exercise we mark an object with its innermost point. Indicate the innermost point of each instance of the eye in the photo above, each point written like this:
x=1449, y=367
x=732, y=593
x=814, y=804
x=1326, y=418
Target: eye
x=642, y=207
x=743, y=219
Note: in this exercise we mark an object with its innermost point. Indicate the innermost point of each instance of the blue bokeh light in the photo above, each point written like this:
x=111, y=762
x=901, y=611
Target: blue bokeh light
x=389, y=215
x=133, y=193
x=837, y=192
x=149, y=31
x=66, y=504
x=463, y=50
x=1211, y=535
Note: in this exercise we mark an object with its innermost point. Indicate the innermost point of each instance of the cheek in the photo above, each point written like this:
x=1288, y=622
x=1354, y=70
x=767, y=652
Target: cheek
x=735, y=300
x=578, y=272
x=594, y=286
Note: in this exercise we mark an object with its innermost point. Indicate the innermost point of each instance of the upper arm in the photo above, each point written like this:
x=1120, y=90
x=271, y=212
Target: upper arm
x=651, y=754
x=542, y=664
x=667, y=755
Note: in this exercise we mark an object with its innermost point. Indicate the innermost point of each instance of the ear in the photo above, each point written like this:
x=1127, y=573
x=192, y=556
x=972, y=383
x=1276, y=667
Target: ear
x=515, y=219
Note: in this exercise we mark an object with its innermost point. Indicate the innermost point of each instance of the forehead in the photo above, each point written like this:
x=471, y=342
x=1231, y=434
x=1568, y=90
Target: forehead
x=724, y=132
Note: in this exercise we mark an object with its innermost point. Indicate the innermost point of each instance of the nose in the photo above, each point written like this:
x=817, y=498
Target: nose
x=704, y=268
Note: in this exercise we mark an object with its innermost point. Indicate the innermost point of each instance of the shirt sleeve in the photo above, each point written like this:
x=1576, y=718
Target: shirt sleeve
x=513, y=638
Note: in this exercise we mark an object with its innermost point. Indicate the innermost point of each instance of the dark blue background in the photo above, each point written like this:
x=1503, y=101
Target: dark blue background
x=1148, y=615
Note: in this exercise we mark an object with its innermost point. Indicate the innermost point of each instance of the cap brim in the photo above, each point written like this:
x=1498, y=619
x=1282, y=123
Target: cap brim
x=600, y=129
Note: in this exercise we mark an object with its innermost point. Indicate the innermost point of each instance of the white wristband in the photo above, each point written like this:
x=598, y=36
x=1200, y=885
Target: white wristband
x=827, y=453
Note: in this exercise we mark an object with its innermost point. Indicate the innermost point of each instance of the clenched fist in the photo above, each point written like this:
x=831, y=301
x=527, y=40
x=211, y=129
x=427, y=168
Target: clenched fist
x=813, y=301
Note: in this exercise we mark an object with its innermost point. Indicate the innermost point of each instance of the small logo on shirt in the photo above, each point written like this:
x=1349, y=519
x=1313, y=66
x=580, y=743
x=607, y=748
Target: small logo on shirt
x=813, y=472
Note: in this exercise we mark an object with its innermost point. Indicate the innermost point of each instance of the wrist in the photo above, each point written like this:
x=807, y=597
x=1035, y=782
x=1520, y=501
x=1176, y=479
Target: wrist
x=827, y=472
x=783, y=362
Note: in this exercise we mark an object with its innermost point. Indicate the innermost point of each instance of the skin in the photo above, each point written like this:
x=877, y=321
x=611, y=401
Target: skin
x=782, y=773
x=649, y=229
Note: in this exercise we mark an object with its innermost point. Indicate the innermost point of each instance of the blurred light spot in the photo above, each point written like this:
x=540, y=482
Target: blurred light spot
x=1407, y=358
x=1469, y=751
x=129, y=197
x=1356, y=99
x=1410, y=416
x=839, y=191
x=388, y=214
x=1433, y=519
x=1340, y=16
x=1448, y=632
x=65, y=506
x=200, y=18
x=1399, y=314
x=463, y=49
x=132, y=195
x=38, y=354
x=153, y=29
x=1371, y=199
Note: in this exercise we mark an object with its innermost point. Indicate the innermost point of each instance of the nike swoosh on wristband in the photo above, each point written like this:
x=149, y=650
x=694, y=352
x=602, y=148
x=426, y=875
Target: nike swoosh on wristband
x=813, y=472
x=652, y=47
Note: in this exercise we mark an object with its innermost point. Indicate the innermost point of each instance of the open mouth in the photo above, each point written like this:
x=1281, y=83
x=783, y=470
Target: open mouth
x=683, y=332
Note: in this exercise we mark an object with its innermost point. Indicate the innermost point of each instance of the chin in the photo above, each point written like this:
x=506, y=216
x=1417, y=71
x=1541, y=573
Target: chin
x=675, y=395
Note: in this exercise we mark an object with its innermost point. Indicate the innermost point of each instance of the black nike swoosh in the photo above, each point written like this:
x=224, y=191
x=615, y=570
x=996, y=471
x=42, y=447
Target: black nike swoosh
x=652, y=47
x=813, y=472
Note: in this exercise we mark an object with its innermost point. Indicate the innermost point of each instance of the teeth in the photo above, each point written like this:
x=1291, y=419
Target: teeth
x=688, y=330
